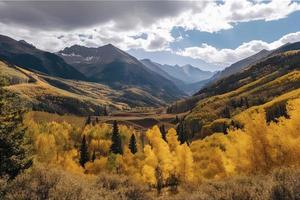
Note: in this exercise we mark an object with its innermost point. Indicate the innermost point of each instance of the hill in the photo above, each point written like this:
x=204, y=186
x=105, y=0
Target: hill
x=63, y=96
x=27, y=56
x=214, y=107
x=113, y=67
x=240, y=65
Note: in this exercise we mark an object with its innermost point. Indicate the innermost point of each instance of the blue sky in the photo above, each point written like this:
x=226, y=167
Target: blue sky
x=267, y=31
x=241, y=32
x=210, y=35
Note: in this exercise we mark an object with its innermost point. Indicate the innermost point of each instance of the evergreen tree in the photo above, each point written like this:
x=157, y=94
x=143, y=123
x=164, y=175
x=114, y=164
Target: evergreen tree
x=105, y=113
x=88, y=120
x=163, y=132
x=116, y=146
x=176, y=119
x=242, y=102
x=246, y=102
x=14, y=151
x=132, y=144
x=182, y=137
x=226, y=112
x=94, y=156
x=84, y=154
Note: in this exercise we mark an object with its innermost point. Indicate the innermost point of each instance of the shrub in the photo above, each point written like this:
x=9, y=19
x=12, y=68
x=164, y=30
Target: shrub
x=41, y=182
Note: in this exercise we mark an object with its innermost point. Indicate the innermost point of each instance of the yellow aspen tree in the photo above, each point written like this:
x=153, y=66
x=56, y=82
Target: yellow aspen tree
x=172, y=139
x=185, y=165
x=149, y=166
x=162, y=151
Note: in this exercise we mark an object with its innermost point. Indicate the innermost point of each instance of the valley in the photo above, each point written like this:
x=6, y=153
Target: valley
x=163, y=130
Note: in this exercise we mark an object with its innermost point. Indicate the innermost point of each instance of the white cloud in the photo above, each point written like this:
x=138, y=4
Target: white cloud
x=52, y=29
x=225, y=57
x=215, y=16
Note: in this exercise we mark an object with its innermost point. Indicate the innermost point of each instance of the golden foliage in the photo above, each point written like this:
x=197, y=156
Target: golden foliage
x=257, y=148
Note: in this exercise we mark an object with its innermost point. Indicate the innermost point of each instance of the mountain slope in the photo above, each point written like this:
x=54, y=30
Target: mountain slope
x=64, y=96
x=217, y=104
x=114, y=67
x=27, y=56
x=240, y=65
x=156, y=67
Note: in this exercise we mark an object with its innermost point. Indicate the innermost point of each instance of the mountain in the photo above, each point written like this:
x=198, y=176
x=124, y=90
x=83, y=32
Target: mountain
x=27, y=56
x=267, y=83
x=240, y=65
x=156, y=67
x=188, y=88
x=187, y=73
x=287, y=47
x=64, y=96
x=113, y=67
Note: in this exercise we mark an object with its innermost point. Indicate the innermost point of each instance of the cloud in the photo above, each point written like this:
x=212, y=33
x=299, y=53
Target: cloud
x=225, y=57
x=69, y=15
x=52, y=25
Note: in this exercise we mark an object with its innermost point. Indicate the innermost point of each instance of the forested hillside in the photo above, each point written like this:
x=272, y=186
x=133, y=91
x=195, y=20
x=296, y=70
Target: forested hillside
x=206, y=141
x=97, y=157
x=63, y=96
x=214, y=107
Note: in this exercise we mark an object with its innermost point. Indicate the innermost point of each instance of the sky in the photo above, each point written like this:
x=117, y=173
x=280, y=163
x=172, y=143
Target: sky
x=210, y=35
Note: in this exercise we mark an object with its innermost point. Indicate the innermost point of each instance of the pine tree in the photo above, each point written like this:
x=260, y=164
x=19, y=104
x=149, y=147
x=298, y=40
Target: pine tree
x=105, y=113
x=163, y=132
x=14, y=151
x=246, y=102
x=226, y=112
x=132, y=144
x=182, y=137
x=88, y=120
x=94, y=156
x=176, y=119
x=84, y=154
x=116, y=146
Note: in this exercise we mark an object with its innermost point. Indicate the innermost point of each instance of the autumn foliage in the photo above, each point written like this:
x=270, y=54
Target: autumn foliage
x=258, y=147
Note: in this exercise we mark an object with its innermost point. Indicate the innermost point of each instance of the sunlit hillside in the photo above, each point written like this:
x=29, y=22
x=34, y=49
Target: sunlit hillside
x=212, y=108
x=64, y=96
x=150, y=100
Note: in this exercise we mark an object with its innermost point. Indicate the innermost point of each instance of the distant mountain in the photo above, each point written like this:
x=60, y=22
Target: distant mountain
x=27, y=56
x=188, y=71
x=240, y=65
x=157, y=68
x=116, y=68
x=244, y=63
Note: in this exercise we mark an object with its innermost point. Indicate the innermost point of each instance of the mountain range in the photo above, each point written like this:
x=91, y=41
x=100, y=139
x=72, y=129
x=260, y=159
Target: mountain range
x=27, y=56
x=187, y=78
x=265, y=80
x=117, y=69
x=85, y=80
x=82, y=74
